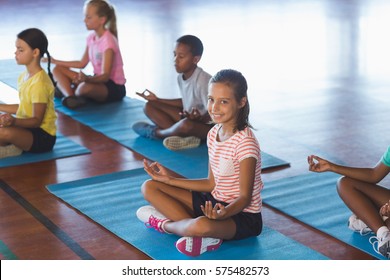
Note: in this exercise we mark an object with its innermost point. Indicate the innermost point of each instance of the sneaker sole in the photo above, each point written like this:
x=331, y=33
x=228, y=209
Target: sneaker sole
x=196, y=243
x=73, y=102
x=175, y=143
x=10, y=151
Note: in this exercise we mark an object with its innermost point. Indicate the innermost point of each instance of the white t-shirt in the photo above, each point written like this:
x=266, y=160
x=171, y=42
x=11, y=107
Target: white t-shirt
x=194, y=90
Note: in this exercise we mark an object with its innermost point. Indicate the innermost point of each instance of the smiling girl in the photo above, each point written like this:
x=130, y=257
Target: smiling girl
x=227, y=204
x=31, y=124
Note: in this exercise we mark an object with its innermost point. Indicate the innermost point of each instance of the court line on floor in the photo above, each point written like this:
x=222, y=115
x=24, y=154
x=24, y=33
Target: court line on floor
x=53, y=228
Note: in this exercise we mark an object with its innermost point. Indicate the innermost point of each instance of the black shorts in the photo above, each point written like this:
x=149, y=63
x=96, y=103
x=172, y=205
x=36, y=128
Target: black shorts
x=42, y=141
x=247, y=224
x=115, y=92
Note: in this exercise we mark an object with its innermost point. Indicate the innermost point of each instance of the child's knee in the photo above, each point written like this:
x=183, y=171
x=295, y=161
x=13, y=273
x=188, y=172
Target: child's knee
x=144, y=187
x=343, y=184
x=147, y=188
x=58, y=70
x=149, y=108
x=83, y=89
x=5, y=134
x=340, y=181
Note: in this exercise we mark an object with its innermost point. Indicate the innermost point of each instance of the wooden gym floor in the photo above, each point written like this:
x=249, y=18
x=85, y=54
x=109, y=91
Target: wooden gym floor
x=318, y=78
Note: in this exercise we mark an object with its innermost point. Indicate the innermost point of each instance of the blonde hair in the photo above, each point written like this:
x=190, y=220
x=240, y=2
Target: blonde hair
x=105, y=9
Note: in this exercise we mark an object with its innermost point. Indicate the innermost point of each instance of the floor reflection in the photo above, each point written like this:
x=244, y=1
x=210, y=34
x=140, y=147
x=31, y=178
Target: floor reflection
x=277, y=44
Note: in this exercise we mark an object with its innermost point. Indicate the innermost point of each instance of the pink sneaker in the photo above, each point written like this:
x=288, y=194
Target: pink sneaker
x=194, y=246
x=152, y=218
x=157, y=224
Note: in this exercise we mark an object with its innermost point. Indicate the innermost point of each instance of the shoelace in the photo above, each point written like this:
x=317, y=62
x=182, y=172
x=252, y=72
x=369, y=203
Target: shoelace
x=374, y=242
x=155, y=223
x=150, y=131
x=362, y=233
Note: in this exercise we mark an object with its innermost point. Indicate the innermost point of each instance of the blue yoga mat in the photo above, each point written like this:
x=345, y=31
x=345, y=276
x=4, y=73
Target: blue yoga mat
x=64, y=147
x=115, y=121
x=113, y=199
x=6, y=252
x=312, y=198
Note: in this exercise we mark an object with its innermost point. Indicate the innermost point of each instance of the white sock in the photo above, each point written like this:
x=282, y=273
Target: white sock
x=163, y=226
x=382, y=231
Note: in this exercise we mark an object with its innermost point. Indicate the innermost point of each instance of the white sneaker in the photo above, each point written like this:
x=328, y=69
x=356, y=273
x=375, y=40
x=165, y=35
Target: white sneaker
x=144, y=213
x=355, y=224
x=175, y=143
x=194, y=246
x=382, y=245
x=10, y=151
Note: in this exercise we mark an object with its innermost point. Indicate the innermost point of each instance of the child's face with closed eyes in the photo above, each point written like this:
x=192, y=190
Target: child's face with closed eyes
x=23, y=54
x=91, y=19
x=184, y=60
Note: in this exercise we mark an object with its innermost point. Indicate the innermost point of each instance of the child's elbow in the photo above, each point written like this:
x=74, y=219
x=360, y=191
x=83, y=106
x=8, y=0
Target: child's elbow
x=246, y=201
x=105, y=77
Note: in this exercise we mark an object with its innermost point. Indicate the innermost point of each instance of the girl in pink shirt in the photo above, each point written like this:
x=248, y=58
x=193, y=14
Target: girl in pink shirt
x=107, y=84
x=227, y=204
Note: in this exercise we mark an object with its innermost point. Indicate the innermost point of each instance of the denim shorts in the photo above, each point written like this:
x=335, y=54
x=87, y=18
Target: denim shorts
x=247, y=224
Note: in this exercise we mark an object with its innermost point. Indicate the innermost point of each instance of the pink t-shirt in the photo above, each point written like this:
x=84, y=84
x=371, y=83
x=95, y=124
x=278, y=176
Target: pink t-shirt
x=96, y=48
x=225, y=158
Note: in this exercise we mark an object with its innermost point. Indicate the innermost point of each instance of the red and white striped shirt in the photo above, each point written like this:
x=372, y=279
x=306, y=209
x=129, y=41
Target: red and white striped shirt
x=225, y=158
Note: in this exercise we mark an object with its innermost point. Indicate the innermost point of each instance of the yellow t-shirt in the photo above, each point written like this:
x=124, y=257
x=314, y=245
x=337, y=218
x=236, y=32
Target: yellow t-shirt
x=37, y=89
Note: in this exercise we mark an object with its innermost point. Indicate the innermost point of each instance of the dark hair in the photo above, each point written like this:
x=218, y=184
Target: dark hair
x=237, y=82
x=193, y=42
x=36, y=39
x=105, y=9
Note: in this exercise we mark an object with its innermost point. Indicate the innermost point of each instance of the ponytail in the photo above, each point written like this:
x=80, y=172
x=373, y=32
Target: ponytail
x=48, y=68
x=112, y=22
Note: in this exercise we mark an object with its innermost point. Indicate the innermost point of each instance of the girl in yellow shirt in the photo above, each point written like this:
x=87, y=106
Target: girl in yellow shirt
x=30, y=125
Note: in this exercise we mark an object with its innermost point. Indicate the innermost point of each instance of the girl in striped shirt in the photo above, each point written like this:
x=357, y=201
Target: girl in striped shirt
x=227, y=204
